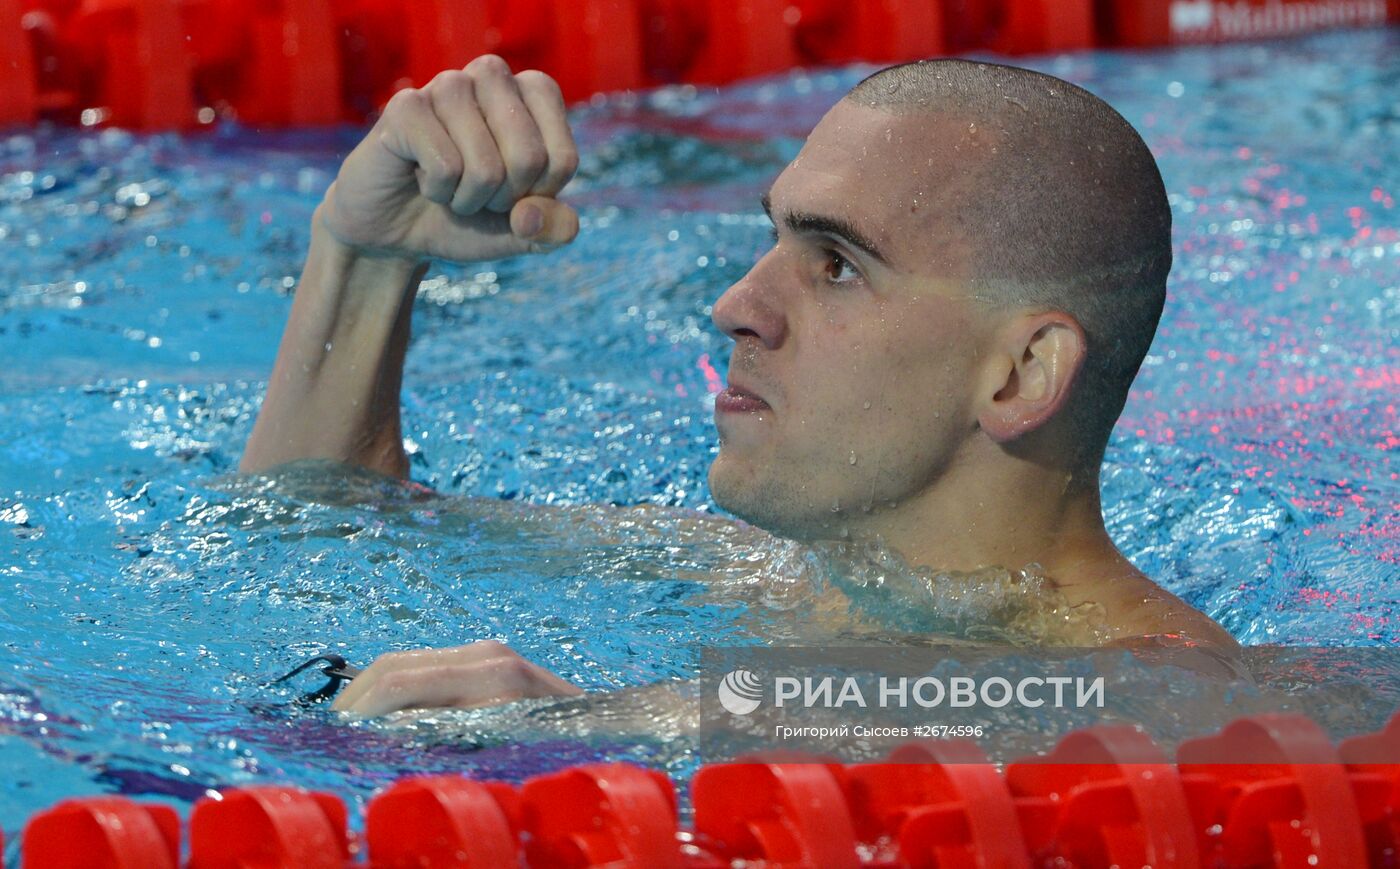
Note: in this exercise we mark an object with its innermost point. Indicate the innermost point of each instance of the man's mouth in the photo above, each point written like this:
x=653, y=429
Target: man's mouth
x=736, y=399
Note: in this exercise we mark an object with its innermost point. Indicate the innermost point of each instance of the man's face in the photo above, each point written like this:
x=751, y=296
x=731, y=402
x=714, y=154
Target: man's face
x=852, y=378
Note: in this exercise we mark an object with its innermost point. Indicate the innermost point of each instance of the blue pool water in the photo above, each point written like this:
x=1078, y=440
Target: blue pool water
x=147, y=594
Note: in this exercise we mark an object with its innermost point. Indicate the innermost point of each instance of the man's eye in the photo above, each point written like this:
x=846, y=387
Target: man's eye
x=839, y=269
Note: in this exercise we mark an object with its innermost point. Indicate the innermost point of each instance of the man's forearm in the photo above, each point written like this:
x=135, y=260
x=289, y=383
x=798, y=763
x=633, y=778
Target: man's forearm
x=334, y=390
x=466, y=169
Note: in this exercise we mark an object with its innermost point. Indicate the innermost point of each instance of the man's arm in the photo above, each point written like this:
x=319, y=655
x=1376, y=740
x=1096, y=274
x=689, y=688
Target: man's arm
x=334, y=390
x=466, y=168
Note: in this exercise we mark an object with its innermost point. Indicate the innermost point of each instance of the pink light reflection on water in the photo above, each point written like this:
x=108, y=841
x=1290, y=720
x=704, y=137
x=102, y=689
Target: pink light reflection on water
x=713, y=382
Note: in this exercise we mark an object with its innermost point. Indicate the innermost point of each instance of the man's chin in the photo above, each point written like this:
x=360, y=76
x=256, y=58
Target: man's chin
x=752, y=497
x=736, y=488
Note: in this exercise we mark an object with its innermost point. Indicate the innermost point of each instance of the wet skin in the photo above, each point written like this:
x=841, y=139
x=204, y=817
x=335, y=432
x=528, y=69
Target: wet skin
x=871, y=394
x=860, y=348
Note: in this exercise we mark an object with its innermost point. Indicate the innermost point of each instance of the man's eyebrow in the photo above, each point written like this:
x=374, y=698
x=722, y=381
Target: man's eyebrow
x=823, y=224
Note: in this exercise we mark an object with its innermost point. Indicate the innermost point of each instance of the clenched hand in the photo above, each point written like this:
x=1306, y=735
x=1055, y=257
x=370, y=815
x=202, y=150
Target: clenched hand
x=466, y=168
x=486, y=673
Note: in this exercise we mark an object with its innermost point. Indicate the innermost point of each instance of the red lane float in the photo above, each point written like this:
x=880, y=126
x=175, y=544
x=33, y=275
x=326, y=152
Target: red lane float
x=102, y=833
x=19, y=96
x=601, y=815
x=174, y=64
x=1373, y=764
x=940, y=804
x=1267, y=792
x=749, y=35
x=294, y=75
x=1049, y=26
x=590, y=46
x=1105, y=796
x=269, y=827
x=1019, y=26
x=832, y=32
x=789, y=815
x=442, y=820
x=139, y=69
x=1278, y=794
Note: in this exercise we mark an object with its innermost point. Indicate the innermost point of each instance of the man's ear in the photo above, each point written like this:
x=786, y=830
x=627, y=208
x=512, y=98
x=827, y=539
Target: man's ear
x=1031, y=374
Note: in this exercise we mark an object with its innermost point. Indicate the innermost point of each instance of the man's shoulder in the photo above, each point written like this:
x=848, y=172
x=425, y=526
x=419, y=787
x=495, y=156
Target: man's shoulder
x=1148, y=610
x=1136, y=607
x=1180, y=623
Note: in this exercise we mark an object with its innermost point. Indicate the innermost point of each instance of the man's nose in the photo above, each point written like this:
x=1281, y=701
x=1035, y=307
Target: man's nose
x=749, y=308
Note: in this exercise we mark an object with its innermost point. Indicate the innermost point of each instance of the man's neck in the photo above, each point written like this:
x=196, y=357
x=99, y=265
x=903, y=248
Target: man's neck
x=1005, y=512
x=1010, y=513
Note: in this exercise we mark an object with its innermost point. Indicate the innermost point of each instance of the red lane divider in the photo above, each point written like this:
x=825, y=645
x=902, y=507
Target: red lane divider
x=294, y=74
x=590, y=46
x=597, y=47
x=832, y=32
x=269, y=827
x=1046, y=26
x=1281, y=796
x=1373, y=764
x=601, y=815
x=939, y=804
x=789, y=815
x=742, y=39
x=174, y=64
x=102, y=833
x=1106, y=796
x=443, y=820
x=1266, y=792
x=19, y=96
x=137, y=64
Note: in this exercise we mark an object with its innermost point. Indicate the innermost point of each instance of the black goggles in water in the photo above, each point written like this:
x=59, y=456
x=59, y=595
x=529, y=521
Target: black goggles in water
x=336, y=669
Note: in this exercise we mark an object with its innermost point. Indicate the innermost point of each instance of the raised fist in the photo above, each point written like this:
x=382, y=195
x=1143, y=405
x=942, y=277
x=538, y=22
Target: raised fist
x=463, y=169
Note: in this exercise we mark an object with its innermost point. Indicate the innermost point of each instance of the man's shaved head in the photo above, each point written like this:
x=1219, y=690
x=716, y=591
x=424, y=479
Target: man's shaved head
x=1063, y=208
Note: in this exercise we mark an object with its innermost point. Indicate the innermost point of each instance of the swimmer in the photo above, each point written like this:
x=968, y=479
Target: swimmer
x=968, y=267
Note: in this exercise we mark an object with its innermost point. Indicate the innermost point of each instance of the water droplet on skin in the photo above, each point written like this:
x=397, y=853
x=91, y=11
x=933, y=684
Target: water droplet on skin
x=867, y=405
x=972, y=128
x=853, y=457
x=836, y=506
x=328, y=346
